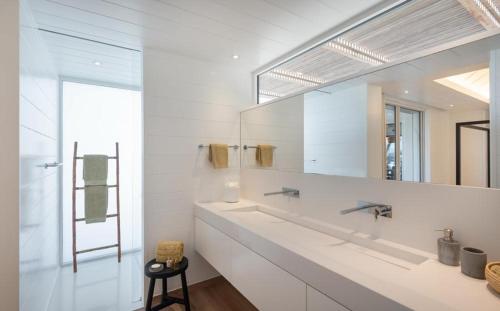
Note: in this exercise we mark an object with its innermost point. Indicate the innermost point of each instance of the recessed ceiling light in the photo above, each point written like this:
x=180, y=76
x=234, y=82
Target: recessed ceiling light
x=406, y=92
x=451, y=105
x=97, y=63
x=236, y=56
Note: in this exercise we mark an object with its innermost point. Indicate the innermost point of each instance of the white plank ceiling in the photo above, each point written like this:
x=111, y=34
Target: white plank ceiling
x=258, y=30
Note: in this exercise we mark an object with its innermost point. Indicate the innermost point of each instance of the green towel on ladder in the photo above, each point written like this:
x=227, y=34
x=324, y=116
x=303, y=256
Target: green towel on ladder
x=95, y=175
x=96, y=203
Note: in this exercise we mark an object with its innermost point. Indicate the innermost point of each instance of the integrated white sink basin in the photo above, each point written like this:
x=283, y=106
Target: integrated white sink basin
x=341, y=244
x=338, y=261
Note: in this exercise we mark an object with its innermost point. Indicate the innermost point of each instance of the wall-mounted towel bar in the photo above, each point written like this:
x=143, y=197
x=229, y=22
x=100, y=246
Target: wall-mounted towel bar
x=53, y=164
x=206, y=146
x=109, y=158
x=253, y=147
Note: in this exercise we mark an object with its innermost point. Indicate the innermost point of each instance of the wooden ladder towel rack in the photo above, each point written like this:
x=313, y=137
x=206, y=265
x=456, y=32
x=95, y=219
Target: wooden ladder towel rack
x=117, y=214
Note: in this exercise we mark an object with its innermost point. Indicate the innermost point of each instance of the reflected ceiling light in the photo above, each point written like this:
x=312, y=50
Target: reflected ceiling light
x=296, y=77
x=97, y=63
x=451, y=105
x=406, y=92
x=493, y=7
x=493, y=14
x=236, y=56
x=484, y=11
x=356, y=52
x=270, y=93
x=475, y=84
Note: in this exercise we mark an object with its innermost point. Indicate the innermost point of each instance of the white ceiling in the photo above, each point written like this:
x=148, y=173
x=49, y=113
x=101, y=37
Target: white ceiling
x=257, y=30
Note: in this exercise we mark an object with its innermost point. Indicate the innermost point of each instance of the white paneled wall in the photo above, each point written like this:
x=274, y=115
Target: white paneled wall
x=495, y=117
x=418, y=208
x=186, y=102
x=9, y=156
x=280, y=124
x=39, y=210
x=342, y=130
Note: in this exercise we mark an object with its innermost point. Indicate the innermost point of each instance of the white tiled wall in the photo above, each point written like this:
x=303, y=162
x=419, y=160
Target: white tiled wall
x=418, y=208
x=39, y=114
x=9, y=155
x=186, y=102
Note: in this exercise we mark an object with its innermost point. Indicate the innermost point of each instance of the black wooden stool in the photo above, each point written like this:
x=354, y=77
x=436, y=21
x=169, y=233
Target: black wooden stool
x=164, y=274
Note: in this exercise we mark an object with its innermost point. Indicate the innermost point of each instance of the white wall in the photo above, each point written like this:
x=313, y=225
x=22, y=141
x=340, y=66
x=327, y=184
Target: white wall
x=438, y=151
x=439, y=139
x=468, y=163
x=9, y=157
x=39, y=193
x=343, y=132
x=375, y=126
x=418, y=208
x=495, y=117
x=280, y=124
x=440, y=142
x=186, y=102
x=474, y=157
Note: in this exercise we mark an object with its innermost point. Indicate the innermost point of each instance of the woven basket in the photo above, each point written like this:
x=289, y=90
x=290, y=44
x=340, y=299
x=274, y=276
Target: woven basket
x=492, y=277
x=169, y=250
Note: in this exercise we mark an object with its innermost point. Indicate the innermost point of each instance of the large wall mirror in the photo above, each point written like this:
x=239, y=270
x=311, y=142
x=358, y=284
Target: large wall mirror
x=431, y=119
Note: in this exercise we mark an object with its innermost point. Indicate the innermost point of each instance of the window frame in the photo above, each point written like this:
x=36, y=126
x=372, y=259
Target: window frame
x=397, y=110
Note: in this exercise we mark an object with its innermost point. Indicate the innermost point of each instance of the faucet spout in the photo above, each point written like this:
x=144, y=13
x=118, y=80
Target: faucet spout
x=378, y=209
x=285, y=191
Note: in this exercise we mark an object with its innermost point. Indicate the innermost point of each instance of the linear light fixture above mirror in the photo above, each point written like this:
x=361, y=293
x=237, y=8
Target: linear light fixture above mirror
x=355, y=52
x=484, y=11
x=296, y=77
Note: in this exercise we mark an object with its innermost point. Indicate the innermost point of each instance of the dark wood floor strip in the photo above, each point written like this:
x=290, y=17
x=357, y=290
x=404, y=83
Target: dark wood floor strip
x=216, y=294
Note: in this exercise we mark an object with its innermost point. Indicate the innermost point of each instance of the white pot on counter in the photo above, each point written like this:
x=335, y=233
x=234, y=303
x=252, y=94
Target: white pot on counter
x=231, y=192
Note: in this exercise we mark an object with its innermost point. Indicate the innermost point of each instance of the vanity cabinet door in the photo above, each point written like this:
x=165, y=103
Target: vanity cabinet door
x=216, y=250
x=265, y=285
x=317, y=301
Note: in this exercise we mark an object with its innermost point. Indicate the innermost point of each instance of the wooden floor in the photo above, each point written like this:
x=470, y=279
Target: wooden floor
x=216, y=294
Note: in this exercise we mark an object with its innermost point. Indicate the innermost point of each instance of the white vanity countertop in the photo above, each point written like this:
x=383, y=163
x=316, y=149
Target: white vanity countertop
x=356, y=280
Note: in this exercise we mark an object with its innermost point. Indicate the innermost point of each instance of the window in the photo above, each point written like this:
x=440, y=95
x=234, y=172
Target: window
x=403, y=143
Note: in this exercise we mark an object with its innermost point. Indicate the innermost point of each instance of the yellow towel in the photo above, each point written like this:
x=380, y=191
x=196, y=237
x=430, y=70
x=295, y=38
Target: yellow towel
x=264, y=155
x=218, y=155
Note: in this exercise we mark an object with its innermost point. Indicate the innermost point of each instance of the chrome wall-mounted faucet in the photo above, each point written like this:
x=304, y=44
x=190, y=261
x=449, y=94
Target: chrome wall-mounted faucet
x=377, y=209
x=294, y=193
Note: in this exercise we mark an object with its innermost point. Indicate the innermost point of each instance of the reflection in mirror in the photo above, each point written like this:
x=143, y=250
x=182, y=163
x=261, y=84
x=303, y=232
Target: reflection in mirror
x=426, y=120
x=280, y=125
